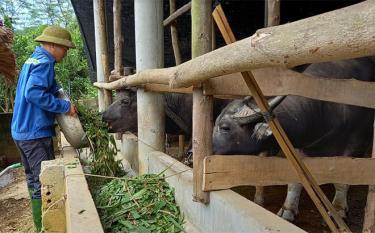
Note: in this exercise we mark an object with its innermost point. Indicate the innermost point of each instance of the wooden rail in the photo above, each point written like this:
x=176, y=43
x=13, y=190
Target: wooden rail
x=177, y=14
x=223, y=172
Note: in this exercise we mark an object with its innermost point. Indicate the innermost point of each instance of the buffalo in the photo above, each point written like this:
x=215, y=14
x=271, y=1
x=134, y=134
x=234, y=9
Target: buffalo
x=315, y=128
x=121, y=115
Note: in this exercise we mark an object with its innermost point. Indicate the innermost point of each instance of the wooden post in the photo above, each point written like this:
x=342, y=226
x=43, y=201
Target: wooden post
x=181, y=145
x=273, y=13
x=118, y=44
x=117, y=35
x=202, y=105
x=101, y=51
x=369, y=219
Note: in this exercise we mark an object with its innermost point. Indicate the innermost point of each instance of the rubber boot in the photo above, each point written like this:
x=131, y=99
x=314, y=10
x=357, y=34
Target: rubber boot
x=36, y=206
x=31, y=191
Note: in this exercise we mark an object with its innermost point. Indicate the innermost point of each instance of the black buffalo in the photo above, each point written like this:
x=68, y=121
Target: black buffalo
x=315, y=128
x=122, y=113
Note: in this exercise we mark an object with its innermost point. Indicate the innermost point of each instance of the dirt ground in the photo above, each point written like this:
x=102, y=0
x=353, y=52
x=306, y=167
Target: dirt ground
x=309, y=218
x=15, y=210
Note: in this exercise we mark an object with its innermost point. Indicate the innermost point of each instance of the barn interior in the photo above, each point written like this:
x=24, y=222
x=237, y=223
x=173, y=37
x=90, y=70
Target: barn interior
x=245, y=18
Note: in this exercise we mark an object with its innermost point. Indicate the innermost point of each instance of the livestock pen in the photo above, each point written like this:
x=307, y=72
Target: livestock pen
x=283, y=47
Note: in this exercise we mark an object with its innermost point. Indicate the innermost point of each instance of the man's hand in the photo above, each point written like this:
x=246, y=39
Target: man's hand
x=72, y=111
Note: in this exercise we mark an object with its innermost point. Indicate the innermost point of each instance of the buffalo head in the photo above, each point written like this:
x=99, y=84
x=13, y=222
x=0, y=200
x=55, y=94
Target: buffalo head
x=240, y=128
x=121, y=115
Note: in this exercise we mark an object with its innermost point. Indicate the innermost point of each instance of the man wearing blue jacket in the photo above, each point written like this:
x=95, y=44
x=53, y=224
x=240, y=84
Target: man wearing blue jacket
x=35, y=107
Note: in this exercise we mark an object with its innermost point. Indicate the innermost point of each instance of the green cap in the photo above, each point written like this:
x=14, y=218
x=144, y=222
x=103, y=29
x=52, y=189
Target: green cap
x=56, y=35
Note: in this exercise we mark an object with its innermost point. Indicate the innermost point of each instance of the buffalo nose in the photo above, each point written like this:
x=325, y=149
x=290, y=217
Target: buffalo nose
x=224, y=127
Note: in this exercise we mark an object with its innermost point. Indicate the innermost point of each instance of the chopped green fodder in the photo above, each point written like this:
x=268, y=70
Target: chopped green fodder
x=103, y=144
x=140, y=204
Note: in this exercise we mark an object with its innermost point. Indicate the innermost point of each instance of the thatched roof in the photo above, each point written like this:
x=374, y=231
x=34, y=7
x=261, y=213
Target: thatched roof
x=7, y=57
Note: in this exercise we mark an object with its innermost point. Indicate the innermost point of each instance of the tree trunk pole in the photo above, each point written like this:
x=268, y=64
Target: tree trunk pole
x=101, y=52
x=149, y=31
x=202, y=105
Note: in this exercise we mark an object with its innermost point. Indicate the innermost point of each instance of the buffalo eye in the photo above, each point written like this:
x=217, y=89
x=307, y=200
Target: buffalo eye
x=224, y=127
x=125, y=101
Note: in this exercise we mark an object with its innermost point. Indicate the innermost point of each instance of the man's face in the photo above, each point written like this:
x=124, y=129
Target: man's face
x=60, y=52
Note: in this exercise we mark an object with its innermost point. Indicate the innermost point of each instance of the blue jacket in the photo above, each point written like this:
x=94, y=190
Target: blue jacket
x=36, y=104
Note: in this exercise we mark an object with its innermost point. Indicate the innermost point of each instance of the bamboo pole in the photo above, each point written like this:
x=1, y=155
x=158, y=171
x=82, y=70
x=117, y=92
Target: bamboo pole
x=185, y=8
x=273, y=19
x=102, y=67
x=340, y=34
x=309, y=183
x=273, y=13
x=369, y=218
x=174, y=34
x=177, y=56
x=118, y=37
x=201, y=28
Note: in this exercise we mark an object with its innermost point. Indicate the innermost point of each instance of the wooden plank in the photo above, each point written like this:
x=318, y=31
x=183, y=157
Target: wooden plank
x=223, y=172
x=281, y=81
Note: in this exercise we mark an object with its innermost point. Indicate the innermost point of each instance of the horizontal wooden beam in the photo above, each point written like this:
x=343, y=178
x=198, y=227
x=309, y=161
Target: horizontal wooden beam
x=282, y=81
x=335, y=35
x=223, y=172
x=166, y=88
x=331, y=36
x=177, y=14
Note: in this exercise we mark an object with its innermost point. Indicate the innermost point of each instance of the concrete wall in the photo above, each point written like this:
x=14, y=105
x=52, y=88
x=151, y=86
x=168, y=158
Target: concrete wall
x=227, y=210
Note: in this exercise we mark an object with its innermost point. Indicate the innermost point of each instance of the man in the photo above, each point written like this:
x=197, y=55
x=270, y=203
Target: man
x=35, y=107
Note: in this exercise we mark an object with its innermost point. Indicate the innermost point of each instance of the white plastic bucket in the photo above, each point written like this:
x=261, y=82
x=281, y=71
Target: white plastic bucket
x=71, y=126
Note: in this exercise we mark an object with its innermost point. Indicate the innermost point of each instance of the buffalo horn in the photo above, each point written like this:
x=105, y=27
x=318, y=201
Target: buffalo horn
x=247, y=115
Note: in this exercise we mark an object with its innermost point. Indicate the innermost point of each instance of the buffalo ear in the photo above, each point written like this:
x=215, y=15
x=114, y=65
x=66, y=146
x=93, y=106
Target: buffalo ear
x=262, y=131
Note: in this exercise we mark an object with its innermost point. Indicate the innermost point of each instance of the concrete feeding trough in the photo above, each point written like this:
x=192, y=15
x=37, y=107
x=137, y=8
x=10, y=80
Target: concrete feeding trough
x=68, y=205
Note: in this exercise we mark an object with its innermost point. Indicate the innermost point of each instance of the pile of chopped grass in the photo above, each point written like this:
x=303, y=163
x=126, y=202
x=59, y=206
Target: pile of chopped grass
x=141, y=204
